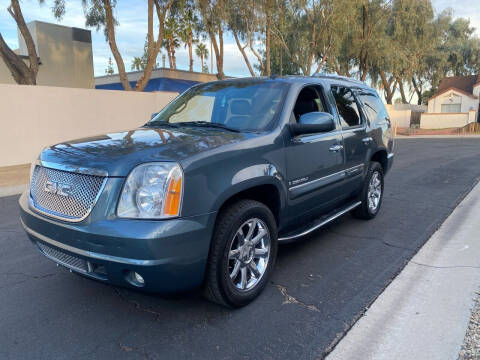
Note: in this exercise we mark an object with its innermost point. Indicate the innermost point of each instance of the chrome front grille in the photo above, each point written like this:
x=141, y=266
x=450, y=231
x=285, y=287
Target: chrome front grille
x=62, y=194
x=64, y=259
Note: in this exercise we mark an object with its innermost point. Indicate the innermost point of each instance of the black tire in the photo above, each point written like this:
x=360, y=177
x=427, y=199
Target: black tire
x=218, y=287
x=363, y=211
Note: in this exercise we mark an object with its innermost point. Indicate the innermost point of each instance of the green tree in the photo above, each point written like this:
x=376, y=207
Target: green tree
x=410, y=31
x=109, y=70
x=307, y=34
x=140, y=62
x=214, y=15
x=99, y=14
x=242, y=22
x=453, y=50
x=362, y=42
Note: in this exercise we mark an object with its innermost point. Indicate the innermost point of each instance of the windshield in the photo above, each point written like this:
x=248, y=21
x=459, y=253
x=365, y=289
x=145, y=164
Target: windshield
x=242, y=106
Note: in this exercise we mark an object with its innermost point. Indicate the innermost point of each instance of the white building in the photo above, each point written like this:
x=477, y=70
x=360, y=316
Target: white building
x=455, y=104
x=65, y=56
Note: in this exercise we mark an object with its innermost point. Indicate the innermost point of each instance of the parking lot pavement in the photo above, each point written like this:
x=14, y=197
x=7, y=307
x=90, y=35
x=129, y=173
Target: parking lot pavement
x=320, y=287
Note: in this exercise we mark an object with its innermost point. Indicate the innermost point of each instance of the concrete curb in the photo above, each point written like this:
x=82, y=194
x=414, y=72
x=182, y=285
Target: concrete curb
x=425, y=311
x=12, y=190
x=436, y=136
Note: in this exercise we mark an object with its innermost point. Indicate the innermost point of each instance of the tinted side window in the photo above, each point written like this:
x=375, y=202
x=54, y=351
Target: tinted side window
x=373, y=106
x=347, y=107
x=309, y=100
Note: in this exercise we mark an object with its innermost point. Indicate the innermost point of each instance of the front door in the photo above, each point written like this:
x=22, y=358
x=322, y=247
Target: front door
x=315, y=162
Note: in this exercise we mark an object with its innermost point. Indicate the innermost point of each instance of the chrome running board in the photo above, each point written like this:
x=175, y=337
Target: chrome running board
x=318, y=223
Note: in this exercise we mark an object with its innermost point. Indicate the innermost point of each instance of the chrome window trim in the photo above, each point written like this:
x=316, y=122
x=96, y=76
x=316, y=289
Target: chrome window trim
x=66, y=218
x=311, y=138
x=354, y=128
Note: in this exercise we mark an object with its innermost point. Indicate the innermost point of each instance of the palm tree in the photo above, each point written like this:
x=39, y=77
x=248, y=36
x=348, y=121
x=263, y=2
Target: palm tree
x=171, y=41
x=202, y=52
x=137, y=64
x=188, y=24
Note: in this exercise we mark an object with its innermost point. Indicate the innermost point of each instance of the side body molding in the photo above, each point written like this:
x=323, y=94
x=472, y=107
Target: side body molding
x=299, y=190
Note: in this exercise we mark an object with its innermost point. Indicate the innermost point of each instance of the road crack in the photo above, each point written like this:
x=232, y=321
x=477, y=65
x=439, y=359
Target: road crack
x=371, y=238
x=137, y=305
x=289, y=299
x=134, y=349
x=28, y=275
x=445, y=267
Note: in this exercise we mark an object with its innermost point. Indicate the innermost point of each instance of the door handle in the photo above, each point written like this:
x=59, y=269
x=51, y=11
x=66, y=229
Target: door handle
x=367, y=140
x=336, y=148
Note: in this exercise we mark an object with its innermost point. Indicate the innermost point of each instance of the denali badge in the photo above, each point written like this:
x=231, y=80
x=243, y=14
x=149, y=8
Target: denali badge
x=58, y=188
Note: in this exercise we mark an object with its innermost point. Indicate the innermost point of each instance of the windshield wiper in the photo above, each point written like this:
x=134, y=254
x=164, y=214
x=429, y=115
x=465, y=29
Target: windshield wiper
x=210, y=124
x=161, y=123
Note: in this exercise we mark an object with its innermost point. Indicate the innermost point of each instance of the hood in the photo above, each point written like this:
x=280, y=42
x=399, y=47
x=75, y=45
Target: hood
x=117, y=153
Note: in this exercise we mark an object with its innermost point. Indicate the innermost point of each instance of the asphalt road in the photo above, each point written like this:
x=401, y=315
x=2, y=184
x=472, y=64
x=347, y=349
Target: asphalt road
x=320, y=287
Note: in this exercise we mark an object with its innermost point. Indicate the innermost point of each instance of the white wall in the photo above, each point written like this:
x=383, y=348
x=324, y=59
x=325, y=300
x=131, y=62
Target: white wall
x=452, y=97
x=446, y=120
x=37, y=116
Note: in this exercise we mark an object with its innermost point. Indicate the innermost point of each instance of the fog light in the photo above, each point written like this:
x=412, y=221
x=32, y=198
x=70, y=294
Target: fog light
x=139, y=278
x=135, y=279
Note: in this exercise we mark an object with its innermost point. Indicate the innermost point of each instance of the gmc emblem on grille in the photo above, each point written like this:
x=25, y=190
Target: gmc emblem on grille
x=58, y=188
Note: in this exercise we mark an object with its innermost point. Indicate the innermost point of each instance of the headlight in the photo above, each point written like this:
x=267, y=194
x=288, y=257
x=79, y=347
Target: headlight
x=152, y=191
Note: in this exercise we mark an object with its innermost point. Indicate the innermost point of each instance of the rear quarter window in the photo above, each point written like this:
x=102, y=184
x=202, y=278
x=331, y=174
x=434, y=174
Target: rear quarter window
x=373, y=106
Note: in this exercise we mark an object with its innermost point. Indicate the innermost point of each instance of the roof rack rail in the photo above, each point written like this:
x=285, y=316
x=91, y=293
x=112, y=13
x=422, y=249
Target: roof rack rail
x=335, y=76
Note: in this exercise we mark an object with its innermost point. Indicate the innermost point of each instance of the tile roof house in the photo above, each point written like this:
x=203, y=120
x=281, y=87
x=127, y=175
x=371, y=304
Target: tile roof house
x=455, y=104
x=456, y=94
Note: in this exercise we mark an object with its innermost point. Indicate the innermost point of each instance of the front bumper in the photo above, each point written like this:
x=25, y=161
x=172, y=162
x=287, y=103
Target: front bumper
x=170, y=255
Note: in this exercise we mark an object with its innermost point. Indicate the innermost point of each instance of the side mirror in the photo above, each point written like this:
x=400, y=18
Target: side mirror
x=153, y=115
x=313, y=122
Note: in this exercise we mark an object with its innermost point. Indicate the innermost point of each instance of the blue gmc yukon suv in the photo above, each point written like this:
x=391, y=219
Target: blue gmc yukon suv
x=202, y=194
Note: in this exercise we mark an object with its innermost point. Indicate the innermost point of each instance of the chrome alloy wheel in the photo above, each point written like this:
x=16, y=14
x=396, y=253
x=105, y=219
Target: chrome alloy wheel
x=374, y=191
x=249, y=254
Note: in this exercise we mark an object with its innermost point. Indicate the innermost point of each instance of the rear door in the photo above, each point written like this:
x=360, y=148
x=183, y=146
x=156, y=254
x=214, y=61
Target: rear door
x=354, y=131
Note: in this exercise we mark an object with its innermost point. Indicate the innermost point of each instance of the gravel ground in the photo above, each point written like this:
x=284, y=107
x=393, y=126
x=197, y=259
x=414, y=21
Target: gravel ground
x=471, y=345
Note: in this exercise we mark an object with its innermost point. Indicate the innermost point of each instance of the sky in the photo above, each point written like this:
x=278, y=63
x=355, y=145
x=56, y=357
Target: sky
x=131, y=33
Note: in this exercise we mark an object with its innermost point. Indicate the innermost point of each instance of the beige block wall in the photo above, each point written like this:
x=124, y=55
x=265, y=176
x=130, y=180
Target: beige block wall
x=34, y=117
x=399, y=118
x=445, y=120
